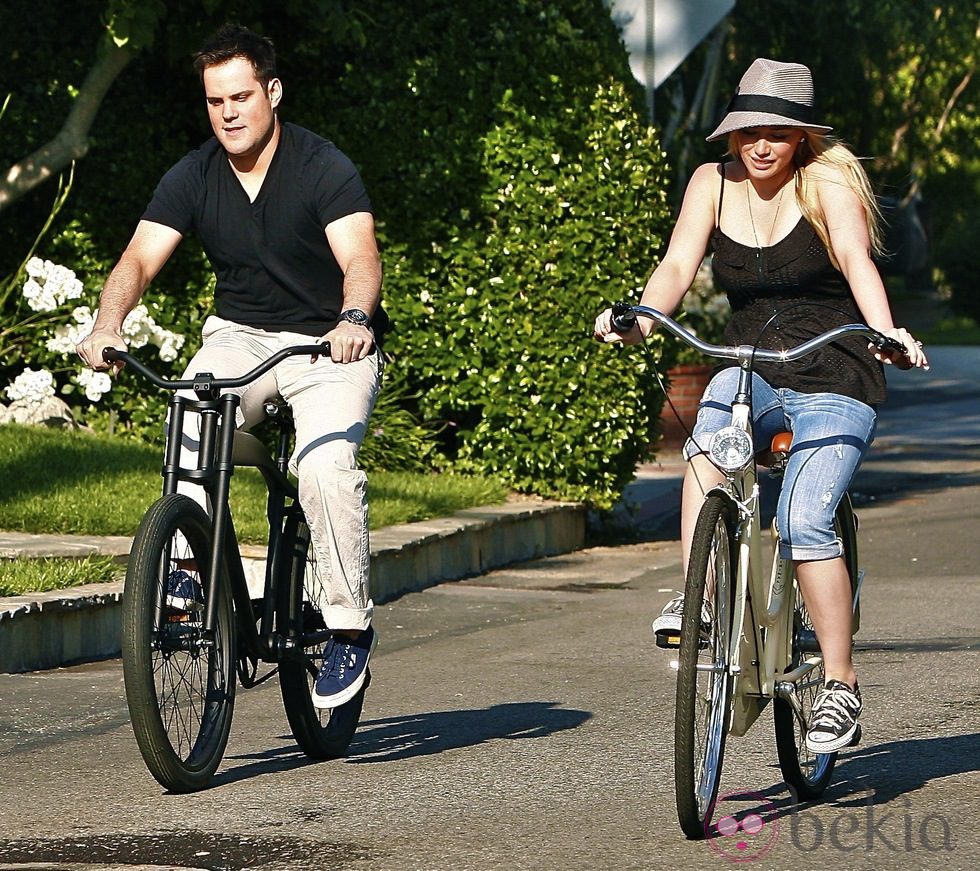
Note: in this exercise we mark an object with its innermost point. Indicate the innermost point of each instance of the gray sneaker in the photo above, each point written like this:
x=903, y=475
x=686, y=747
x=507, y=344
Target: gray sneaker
x=667, y=627
x=833, y=724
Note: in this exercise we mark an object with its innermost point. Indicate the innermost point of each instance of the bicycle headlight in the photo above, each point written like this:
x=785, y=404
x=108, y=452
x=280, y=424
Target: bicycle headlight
x=731, y=448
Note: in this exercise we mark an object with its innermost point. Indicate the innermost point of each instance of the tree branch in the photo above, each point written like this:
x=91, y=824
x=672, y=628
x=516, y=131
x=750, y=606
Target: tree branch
x=71, y=142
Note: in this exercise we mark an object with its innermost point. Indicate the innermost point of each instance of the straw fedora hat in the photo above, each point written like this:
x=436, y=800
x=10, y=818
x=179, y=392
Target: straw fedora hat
x=771, y=94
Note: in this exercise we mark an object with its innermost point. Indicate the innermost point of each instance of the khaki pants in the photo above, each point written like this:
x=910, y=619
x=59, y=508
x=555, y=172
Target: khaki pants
x=331, y=404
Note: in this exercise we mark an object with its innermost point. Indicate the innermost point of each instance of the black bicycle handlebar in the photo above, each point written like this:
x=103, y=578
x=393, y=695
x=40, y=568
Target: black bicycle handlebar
x=624, y=319
x=205, y=380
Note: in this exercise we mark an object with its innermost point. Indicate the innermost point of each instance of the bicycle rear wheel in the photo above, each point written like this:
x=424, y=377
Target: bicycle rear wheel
x=808, y=774
x=704, y=685
x=321, y=734
x=180, y=686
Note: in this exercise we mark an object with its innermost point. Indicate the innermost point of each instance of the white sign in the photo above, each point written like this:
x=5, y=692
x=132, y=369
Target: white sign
x=659, y=34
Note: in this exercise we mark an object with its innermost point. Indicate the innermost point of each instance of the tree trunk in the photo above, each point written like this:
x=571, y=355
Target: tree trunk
x=71, y=142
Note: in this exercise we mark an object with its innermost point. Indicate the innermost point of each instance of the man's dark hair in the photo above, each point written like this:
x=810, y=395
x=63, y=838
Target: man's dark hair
x=232, y=41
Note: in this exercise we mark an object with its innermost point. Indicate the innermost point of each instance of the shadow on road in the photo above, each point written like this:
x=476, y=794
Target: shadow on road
x=413, y=735
x=897, y=768
x=876, y=775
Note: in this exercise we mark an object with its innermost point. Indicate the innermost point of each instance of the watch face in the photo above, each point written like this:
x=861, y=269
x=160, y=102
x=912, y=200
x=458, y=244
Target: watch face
x=355, y=316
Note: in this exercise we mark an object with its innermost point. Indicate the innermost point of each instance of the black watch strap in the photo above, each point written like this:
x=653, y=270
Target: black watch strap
x=355, y=316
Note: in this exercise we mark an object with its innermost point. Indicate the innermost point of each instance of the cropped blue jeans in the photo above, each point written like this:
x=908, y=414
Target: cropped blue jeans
x=831, y=435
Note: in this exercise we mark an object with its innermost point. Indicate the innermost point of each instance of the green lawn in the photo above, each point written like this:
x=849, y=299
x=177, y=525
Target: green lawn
x=78, y=483
x=41, y=575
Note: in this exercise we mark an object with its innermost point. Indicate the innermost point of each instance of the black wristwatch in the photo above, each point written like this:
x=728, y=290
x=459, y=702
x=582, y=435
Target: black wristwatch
x=355, y=316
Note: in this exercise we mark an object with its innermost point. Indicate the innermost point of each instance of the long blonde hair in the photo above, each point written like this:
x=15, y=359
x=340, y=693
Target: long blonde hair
x=820, y=148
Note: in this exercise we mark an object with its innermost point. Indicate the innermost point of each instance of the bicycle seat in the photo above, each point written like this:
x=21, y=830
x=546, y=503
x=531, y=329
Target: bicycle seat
x=781, y=442
x=778, y=452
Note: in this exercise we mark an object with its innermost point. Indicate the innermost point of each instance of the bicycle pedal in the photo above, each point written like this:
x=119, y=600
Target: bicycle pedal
x=666, y=641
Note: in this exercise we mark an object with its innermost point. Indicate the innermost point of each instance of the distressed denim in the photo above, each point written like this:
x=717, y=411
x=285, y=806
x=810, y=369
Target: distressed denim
x=831, y=435
x=331, y=403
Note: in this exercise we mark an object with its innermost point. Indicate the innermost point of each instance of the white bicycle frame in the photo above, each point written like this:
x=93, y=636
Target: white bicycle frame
x=762, y=626
x=761, y=645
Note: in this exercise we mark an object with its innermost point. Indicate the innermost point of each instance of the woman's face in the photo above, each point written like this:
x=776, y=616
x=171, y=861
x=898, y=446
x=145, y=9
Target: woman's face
x=767, y=152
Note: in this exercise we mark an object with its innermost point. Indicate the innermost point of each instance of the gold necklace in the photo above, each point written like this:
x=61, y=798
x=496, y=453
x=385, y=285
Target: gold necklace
x=779, y=202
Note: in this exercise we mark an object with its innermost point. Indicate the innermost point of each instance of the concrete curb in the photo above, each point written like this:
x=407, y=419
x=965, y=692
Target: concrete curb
x=48, y=630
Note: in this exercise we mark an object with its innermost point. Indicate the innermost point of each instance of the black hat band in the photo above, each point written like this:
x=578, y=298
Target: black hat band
x=771, y=106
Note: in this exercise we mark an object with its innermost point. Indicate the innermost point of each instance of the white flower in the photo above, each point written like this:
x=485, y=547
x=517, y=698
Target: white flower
x=140, y=329
x=49, y=285
x=31, y=385
x=94, y=384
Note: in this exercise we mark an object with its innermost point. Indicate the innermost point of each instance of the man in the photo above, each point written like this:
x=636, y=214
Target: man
x=288, y=228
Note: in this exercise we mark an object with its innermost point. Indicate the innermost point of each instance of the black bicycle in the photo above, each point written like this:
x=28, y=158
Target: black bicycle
x=189, y=620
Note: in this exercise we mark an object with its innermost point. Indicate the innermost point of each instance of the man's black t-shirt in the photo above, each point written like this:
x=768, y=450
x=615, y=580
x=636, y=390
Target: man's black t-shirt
x=274, y=268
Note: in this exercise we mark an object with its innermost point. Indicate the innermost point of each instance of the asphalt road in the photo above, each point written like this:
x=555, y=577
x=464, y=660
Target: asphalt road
x=524, y=720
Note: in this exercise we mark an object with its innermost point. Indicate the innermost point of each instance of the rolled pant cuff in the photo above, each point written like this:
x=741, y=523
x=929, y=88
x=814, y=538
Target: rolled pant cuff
x=339, y=617
x=808, y=554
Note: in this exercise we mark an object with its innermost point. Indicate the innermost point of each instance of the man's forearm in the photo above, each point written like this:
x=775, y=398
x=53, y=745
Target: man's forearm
x=362, y=284
x=120, y=293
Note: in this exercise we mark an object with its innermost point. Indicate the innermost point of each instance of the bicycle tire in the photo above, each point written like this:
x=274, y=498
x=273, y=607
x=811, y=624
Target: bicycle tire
x=808, y=774
x=320, y=733
x=704, y=696
x=180, y=690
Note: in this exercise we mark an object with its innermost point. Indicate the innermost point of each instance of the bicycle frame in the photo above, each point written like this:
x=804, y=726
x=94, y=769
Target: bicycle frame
x=761, y=641
x=762, y=638
x=222, y=446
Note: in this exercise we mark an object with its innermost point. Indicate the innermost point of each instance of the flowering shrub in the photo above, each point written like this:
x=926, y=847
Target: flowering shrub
x=49, y=286
x=47, y=291
x=31, y=386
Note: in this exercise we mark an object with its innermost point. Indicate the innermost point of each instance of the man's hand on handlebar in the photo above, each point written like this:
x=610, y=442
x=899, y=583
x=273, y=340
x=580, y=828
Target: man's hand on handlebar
x=349, y=342
x=90, y=349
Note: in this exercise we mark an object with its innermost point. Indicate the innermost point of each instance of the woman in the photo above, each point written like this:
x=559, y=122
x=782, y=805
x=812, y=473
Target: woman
x=792, y=223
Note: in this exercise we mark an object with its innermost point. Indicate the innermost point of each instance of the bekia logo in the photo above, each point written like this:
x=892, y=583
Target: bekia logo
x=746, y=827
x=742, y=834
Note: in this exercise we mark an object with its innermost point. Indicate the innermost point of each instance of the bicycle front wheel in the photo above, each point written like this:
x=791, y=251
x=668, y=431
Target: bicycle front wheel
x=808, y=774
x=180, y=685
x=320, y=733
x=704, y=685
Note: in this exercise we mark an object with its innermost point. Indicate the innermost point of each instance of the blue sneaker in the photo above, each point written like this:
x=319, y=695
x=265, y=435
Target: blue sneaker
x=344, y=668
x=185, y=594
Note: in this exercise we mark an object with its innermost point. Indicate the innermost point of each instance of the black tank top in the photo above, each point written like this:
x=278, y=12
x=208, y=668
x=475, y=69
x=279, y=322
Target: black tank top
x=785, y=294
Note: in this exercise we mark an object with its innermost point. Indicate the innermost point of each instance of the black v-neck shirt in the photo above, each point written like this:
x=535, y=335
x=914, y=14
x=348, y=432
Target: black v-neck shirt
x=784, y=294
x=273, y=264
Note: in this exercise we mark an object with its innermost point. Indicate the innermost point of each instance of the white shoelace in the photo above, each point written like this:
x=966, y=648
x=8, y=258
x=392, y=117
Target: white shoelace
x=834, y=708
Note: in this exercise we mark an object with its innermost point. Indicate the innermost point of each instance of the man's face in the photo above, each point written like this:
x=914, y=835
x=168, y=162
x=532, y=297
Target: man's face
x=240, y=108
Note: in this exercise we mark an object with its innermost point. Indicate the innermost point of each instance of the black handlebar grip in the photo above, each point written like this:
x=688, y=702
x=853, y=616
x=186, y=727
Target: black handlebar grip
x=623, y=317
x=886, y=343
x=894, y=345
x=110, y=355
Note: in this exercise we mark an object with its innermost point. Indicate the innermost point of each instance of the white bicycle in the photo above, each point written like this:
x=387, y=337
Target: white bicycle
x=746, y=637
